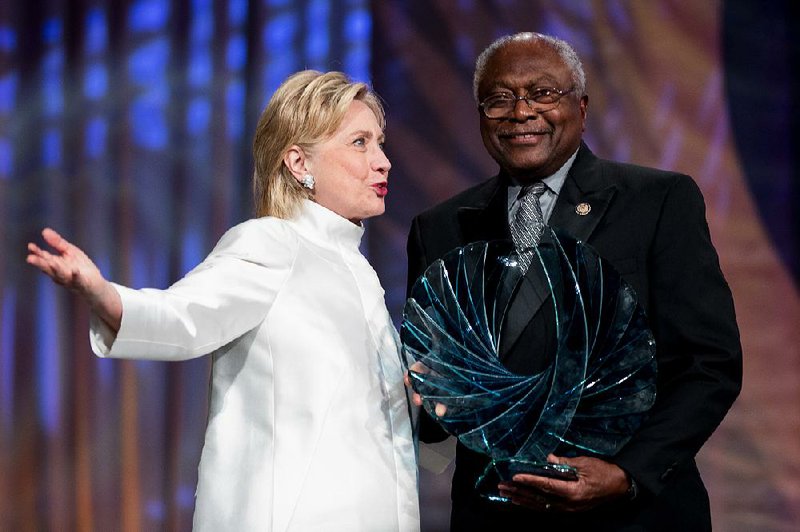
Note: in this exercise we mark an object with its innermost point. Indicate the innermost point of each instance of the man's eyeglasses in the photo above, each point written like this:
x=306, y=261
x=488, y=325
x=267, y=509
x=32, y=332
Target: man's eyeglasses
x=540, y=100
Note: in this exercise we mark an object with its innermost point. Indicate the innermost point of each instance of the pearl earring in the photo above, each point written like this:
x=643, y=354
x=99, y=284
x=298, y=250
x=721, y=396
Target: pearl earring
x=308, y=181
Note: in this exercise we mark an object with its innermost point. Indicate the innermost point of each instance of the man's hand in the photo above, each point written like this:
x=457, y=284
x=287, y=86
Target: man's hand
x=419, y=367
x=598, y=482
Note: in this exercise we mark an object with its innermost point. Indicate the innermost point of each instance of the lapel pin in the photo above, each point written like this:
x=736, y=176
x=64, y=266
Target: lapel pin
x=583, y=208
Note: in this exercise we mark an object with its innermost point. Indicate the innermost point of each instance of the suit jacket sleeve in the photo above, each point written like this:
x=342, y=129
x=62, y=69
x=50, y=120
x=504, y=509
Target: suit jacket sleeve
x=415, y=249
x=429, y=430
x=699, y=354
x=225, y=296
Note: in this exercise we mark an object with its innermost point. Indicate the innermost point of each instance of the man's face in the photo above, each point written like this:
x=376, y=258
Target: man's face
x=531, y=145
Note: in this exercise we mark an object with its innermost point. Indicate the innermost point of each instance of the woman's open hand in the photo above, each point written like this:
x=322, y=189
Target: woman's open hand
x=69, y=266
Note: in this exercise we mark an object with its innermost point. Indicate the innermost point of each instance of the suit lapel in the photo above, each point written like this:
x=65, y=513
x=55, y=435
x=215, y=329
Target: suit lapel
x=531, y=292
x=584, y=185
x=487, y=219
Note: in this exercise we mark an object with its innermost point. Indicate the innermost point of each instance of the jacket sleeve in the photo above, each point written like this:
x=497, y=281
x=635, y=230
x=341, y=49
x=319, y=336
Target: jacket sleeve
x=415, y=249
x=225, y=296
x=699, y=353
x=429, y=431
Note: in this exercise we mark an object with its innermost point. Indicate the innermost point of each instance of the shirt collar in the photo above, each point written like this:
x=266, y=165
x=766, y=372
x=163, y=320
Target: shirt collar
x=553, y=182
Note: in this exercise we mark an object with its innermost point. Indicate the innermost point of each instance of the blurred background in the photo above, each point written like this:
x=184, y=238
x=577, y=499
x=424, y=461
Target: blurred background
x=127, y=126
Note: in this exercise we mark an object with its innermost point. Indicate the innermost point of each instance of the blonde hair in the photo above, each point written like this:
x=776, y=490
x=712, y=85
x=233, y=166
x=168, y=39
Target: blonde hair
x=305, y=110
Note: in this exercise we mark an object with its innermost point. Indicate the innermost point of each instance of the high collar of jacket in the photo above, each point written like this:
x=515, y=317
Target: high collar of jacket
x=326, y=228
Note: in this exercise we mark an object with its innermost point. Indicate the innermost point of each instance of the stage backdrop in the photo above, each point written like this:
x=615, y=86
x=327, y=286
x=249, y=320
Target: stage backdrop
x=127, y=125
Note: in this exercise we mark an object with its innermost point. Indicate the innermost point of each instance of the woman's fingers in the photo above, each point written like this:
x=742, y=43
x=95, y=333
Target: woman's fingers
x=68, y=266
x=40, y=258
x=38, y=262
x=63, y=267
x=58, y=242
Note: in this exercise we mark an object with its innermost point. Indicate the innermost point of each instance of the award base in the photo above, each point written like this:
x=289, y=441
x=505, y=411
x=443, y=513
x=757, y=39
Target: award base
x=504, y=470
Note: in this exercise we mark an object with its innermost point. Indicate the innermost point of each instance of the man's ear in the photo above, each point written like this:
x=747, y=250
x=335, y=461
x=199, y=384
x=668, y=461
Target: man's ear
x=584, y=105
x=296, y=161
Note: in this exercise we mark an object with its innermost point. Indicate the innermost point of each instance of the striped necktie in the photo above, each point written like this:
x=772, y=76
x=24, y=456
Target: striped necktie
x=528, y=223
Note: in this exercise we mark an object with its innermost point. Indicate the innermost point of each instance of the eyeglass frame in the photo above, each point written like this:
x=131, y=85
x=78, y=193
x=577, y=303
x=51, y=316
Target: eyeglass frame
x=530, y=102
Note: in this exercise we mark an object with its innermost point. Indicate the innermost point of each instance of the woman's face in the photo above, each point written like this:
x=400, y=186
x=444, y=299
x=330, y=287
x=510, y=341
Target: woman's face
x=350, y=168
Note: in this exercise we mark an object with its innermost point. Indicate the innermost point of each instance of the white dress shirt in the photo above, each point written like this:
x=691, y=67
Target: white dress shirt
x=308, y=419
x=547, y=200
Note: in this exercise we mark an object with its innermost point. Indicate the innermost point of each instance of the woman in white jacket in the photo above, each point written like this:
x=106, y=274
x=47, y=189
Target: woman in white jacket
x=308, y=419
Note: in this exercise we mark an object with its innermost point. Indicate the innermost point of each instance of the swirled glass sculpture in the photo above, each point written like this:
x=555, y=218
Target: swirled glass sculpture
x=594, y=390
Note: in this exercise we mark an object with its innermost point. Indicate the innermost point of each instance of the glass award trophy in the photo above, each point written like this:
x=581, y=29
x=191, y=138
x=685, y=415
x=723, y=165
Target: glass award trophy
x=597, y=382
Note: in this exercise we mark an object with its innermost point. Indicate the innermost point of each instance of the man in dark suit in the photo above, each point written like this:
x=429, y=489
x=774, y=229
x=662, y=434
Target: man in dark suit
x=650, y=225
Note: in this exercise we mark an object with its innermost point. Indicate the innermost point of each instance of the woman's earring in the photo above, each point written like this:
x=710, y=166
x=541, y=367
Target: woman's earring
x=308, y=181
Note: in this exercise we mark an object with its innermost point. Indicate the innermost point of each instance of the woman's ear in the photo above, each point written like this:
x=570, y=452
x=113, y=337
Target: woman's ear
x=295, y=160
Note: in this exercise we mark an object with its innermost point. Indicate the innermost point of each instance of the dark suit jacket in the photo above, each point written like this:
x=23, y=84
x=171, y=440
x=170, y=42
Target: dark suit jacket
x=651, y=226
